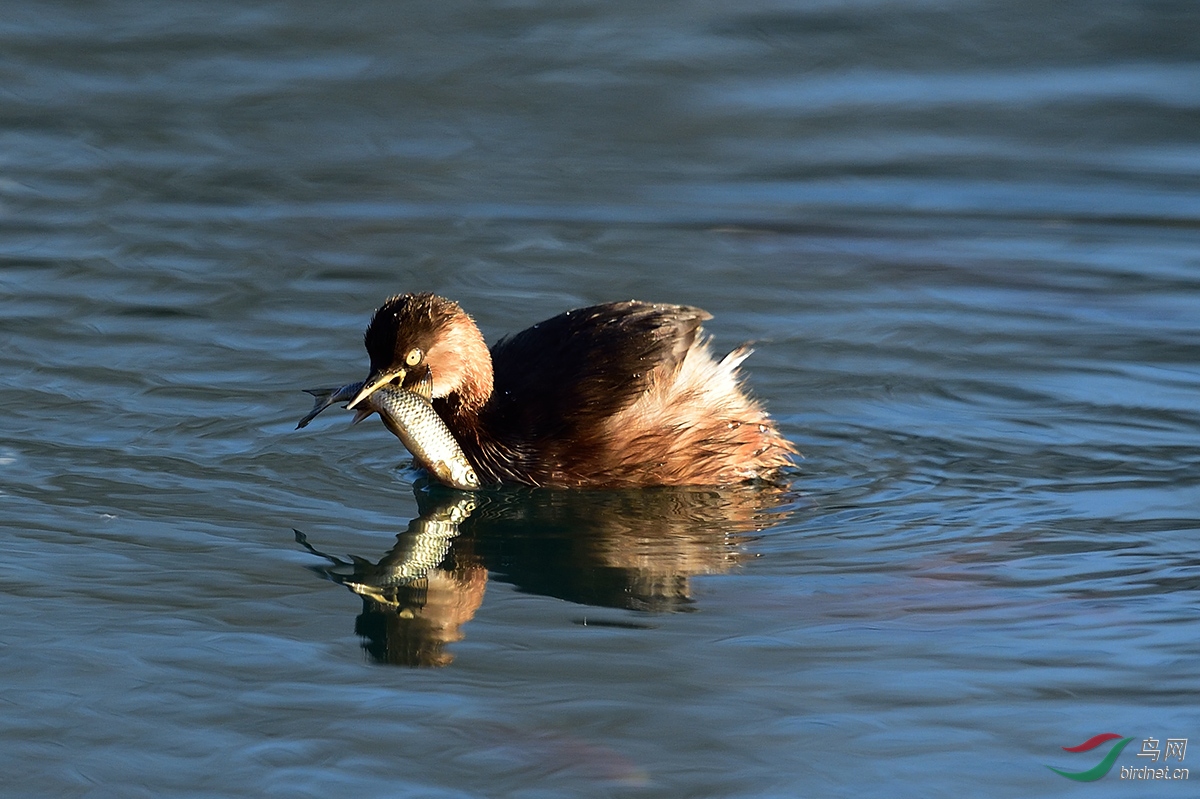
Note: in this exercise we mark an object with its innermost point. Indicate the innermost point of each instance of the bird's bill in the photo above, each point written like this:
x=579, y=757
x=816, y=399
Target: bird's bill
x=374, y=381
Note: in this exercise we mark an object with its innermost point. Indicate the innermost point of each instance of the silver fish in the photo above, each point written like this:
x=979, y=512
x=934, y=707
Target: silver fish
x=325, y=397
x=412, y=419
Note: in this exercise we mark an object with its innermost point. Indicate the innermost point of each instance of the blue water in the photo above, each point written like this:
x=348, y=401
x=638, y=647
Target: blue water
x=964, y=237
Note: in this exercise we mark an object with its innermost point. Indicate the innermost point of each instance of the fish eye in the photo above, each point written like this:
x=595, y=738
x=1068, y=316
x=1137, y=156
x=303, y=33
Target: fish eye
x=414, y=356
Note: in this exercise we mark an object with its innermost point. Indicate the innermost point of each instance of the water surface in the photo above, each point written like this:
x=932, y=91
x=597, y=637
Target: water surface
x=965, y=238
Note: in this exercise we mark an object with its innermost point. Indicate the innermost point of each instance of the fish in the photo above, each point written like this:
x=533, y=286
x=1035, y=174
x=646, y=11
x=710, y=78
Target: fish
x=411, y=418
x=326, y=397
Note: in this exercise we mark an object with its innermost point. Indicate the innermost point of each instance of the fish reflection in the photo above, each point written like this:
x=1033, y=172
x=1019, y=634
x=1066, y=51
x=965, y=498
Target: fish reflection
x=634, y=550
x=420, y=593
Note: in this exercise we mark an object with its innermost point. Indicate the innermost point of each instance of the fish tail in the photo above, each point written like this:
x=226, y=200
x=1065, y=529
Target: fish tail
x=324, y=397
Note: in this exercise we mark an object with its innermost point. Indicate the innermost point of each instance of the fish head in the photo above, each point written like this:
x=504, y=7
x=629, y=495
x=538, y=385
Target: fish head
x=457, y=474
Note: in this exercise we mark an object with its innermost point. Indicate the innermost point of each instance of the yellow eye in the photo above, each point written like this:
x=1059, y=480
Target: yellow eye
x=414, y=356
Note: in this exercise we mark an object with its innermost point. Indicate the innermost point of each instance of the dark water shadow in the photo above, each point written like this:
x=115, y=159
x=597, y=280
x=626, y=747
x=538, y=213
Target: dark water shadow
x=633, y=550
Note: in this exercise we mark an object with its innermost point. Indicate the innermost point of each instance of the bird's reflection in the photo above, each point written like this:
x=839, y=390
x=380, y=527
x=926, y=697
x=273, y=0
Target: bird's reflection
x=636, y=550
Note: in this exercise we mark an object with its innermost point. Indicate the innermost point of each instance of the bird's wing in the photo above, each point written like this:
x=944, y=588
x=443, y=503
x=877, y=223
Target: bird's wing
x=562, y=376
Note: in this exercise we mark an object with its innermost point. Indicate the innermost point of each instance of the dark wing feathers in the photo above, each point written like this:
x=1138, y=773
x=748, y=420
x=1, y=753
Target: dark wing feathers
x=558, y=378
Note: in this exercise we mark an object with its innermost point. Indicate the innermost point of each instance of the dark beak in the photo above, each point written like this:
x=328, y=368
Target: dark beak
x=374, y=381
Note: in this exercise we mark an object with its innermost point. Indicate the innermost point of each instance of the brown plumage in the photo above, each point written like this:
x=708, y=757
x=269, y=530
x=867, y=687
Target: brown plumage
x=621, y=394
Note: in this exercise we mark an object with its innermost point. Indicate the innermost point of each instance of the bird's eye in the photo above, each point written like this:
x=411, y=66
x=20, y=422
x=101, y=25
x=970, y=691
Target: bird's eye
x=414, y=356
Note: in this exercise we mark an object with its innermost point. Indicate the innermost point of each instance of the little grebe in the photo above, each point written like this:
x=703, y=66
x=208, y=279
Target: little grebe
x=624, y=394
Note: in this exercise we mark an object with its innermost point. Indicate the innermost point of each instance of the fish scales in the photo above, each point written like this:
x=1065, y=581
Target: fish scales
x=412, y=419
